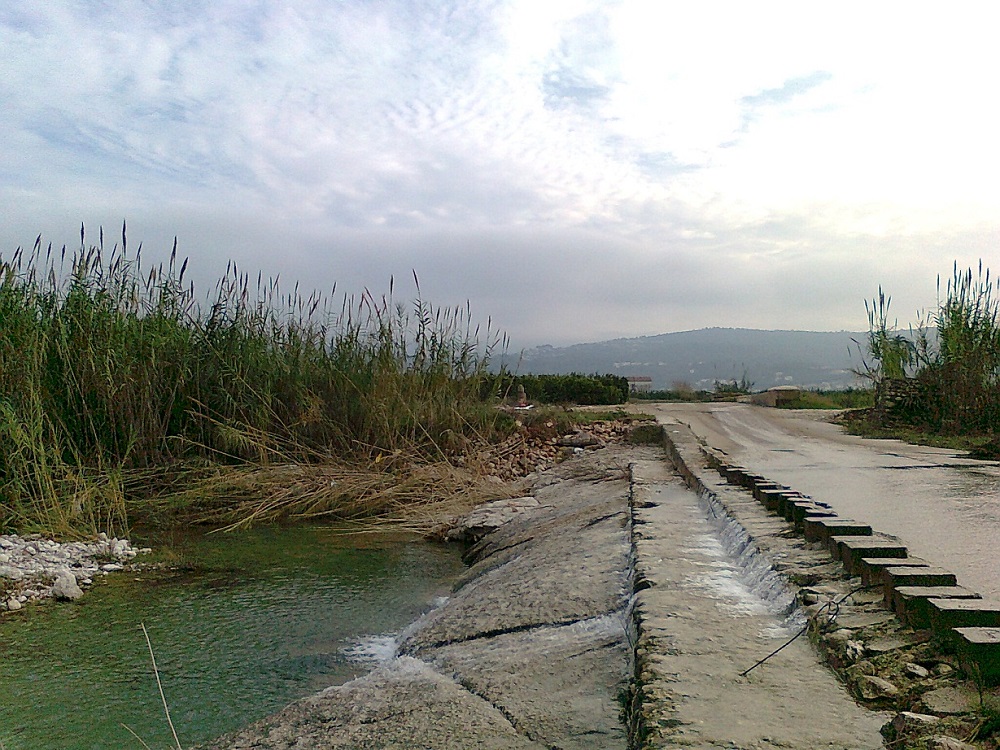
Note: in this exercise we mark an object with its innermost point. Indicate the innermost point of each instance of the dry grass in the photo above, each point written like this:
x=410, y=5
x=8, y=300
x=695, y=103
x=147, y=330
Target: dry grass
x=413, y=497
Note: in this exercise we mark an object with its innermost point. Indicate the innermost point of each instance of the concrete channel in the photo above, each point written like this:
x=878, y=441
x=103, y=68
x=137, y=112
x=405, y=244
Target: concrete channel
x=622, y=608
x=697, y=647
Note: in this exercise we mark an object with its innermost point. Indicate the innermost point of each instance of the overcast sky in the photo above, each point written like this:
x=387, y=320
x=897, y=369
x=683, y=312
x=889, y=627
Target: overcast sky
x=575, y=170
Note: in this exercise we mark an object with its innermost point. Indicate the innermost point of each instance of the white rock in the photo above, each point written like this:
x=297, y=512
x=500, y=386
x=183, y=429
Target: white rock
x=66, y=587
x=14, y=574
x=13, y=605
x=875, y=687
x=915, y=670
x=948, y=743
x=112, y=567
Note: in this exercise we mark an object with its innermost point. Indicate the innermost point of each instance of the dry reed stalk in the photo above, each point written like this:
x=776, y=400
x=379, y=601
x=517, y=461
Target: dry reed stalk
x=411, y=496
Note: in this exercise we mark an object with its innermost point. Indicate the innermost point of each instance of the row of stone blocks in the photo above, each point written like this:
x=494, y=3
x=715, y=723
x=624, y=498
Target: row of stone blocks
x=922, y=595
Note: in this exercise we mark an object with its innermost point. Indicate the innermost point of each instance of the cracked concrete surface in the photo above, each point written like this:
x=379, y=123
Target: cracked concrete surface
x=697, y=634
x=537, y=647
x=531, y=651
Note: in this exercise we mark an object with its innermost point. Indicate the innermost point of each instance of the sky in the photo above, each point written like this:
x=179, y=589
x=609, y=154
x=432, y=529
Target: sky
x=571, y=170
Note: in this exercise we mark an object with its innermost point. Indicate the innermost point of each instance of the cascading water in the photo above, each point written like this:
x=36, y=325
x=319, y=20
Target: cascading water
x=739, y=571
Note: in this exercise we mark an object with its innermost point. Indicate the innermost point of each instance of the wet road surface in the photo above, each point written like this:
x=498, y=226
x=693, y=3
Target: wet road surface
x=944, y=507
x=705, y=621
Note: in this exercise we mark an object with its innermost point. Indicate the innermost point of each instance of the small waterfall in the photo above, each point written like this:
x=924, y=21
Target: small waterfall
x=753, y=568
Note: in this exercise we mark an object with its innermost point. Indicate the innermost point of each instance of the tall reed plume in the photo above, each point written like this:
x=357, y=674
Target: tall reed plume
x=110, y=372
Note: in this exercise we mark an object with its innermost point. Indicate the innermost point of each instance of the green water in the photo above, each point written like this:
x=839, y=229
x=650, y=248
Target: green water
x=258, y=619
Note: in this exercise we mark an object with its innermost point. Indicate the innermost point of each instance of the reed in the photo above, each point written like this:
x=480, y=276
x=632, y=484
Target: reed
x=953, y=353
x=118, y=384
x=962, y=372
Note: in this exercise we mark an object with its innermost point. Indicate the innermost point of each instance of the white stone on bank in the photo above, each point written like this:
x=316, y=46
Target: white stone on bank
x=34, y=568
x=65, y=587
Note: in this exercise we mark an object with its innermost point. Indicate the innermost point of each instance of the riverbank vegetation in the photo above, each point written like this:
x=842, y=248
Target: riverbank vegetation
x=124, y=395
x=572, y=388
x=938, y=382
x=849, y=398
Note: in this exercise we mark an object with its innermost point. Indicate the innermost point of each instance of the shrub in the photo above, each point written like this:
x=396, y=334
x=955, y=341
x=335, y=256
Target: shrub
x=569, y=389
x=954, y=355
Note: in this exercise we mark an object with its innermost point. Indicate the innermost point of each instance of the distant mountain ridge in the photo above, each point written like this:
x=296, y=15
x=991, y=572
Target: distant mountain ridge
x=699, y=358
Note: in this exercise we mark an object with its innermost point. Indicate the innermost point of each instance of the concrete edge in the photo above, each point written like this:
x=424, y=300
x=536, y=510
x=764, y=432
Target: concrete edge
x=686, y=451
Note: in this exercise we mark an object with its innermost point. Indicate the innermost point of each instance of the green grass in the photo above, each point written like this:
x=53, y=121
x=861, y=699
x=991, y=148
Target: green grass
x=985, y=446
x=117, y=383
x=852, y=398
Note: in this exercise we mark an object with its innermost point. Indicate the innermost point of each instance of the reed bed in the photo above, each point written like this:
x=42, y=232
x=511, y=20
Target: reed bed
x=417, y=497
x=120, y=387
x=953, y=354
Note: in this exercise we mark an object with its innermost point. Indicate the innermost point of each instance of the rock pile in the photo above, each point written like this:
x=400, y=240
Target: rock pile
x=32, y=567
x=536, y=449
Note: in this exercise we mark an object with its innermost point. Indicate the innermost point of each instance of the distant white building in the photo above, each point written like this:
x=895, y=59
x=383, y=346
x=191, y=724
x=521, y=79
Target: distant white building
x=640, y=383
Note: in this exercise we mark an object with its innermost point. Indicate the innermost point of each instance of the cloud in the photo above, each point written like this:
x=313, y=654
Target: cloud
x=577, y=168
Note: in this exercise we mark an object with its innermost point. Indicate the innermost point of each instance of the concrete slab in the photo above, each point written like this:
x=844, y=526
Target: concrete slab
x=872, y=567
x=544, y=679
x=945, y=614
x=851, y=549
x=694, y=643
x=979, y=654
x=893, y=577
x=403, y=705
x=821, y=528
x=910, y=603
x=581, y=543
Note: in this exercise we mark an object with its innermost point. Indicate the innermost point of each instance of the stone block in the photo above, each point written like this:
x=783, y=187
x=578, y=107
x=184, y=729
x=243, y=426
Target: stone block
x=911, y=603
x=734, y=474
x=851, y=549
x=748, y=480
x=784, y=499
x=872, y=567
x=713, y=459
x=802, y=508
x=759, y=487
x=979, y=654
x=946, y=614
x=821, y=528
x=904, y=575
x=769, y=498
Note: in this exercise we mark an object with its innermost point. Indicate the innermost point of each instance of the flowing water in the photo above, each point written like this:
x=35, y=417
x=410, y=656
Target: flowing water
x=945, y=507
x=253, y=621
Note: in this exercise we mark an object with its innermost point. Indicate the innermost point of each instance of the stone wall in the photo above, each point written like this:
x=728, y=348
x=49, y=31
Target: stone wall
x=899, y=400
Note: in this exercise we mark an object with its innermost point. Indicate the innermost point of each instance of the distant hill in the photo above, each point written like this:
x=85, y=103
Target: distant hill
x=700, y=358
